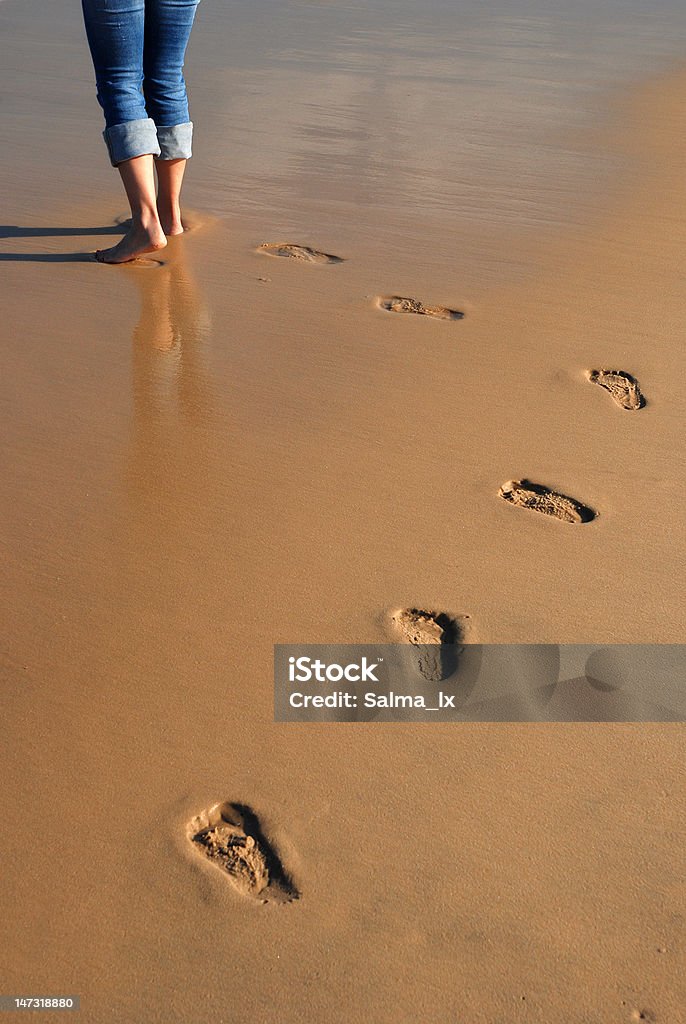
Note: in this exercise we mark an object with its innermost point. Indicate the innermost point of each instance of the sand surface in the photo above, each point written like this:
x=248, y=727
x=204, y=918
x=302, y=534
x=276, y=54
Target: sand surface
x=206, y=457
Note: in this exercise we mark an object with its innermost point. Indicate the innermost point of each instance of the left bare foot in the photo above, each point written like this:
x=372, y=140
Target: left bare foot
x=137, y=241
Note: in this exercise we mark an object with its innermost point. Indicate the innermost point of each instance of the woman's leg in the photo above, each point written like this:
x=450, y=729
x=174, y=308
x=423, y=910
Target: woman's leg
x=168, y=25
x=116, y=33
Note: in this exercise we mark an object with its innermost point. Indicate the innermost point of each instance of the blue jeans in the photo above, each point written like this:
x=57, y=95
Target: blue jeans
x=138, y=48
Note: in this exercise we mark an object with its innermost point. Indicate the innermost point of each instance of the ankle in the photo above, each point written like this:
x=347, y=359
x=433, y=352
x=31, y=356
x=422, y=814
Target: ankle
x=170, y=207
x=146, y=219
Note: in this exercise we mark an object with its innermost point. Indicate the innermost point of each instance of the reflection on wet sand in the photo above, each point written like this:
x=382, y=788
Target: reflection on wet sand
x=174, y=480
x=171, y=392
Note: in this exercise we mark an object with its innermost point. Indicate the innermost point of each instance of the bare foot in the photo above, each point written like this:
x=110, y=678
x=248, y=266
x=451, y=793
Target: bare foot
x=172, y=227
x=137, y=241
x=170, y=219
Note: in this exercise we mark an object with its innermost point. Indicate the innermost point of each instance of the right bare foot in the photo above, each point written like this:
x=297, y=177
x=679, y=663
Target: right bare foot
x=137, y=241
x=170, y=218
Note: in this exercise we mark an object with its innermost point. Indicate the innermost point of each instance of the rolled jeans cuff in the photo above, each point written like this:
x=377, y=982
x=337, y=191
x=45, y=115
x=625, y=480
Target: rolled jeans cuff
x=175, y=141
x=133, y=138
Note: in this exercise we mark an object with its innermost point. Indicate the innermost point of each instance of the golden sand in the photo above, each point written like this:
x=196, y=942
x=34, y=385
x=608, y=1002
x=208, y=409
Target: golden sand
x=225, y=450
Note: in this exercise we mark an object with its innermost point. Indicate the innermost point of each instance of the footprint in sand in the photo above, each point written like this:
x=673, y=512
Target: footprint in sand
x=398, y=304
x=622, y=386
x=527, y=495
x=436, y=635
x=298, y=252
x=229, y=835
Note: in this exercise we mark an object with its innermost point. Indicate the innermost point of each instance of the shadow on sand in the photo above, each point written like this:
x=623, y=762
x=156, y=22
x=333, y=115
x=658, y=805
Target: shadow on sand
x=16, y=231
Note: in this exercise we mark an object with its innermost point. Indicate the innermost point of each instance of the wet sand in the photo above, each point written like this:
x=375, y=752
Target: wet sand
x=231, y=449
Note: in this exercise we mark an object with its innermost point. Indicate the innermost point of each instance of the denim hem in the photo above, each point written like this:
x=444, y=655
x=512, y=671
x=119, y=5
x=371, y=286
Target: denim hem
x=175, y=141
x=133, y=138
